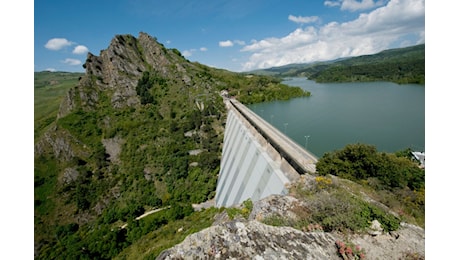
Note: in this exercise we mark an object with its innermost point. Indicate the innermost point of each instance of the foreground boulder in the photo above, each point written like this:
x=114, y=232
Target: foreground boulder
x=251, y=239
x=241, y=239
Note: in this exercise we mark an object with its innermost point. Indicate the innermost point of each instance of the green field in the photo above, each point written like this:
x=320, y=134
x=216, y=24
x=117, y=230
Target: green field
x=49, y=89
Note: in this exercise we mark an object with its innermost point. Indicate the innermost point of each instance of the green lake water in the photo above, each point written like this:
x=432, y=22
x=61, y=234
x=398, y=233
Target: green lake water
x=384, y=114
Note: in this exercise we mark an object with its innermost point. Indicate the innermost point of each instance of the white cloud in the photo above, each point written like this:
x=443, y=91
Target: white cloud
x=72, y=62
x=369, y=33
x=227, y=43
x=421, y=37
x=50, y=69
x=354, y=5
x=239, y=42
x=187, y=53
x=303, y=19
x=56, y=44
x=332, y=3
x=80, y=49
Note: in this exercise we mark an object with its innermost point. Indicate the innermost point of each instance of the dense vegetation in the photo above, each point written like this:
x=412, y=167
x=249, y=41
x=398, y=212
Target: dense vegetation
x=386, y=174
x=404, y=65
x=249, y=89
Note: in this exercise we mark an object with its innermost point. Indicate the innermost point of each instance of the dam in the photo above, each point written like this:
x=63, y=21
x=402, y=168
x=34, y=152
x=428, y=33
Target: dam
x=257, y=159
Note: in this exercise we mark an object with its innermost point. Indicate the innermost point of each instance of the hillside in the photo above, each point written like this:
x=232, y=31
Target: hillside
x=403, y=65
x=141, y=129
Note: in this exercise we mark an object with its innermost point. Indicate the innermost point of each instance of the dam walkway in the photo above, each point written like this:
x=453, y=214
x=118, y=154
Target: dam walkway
x=257, y=159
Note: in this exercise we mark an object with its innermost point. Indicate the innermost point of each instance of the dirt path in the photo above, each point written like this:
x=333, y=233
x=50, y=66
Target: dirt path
x=204, y=205
x=146, y=214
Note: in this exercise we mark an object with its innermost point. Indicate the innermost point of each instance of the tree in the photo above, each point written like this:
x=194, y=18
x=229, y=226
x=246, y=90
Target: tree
x=361, y=162
x=143, y=87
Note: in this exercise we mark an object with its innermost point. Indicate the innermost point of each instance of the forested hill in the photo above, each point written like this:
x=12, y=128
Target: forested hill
x=402, y=65
x=141, y=129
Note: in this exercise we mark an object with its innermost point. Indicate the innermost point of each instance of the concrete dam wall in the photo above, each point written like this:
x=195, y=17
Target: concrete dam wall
x=257, y=159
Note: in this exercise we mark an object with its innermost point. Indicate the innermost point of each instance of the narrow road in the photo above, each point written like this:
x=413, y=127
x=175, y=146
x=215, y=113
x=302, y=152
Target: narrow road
x=146, y=214
x=204, y=205
x=303, y=157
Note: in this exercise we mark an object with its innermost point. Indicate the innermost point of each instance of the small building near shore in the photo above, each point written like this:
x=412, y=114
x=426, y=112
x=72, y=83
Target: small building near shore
x=420, y=156
x=224, y=93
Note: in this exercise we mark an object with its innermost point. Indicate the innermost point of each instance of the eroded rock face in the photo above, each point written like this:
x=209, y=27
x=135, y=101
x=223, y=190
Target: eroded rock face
x=70, y=175
x=279, y=205
x=113, y=148
x=117, y=70
x=113, y=76
x=240, y=239
x=61, y=144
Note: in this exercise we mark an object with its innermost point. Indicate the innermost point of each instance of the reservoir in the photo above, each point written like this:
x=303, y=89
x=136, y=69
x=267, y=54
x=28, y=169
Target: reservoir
x=389, y=116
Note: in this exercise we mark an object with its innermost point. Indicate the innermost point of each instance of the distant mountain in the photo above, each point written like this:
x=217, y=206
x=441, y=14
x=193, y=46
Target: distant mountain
x=402, y=65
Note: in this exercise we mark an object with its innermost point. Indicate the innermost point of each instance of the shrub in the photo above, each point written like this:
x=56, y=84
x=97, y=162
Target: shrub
x=323, y=182
x=244, y=211
x=360, y=162
x=349, y=251
x=340, y=211
x=276, y=220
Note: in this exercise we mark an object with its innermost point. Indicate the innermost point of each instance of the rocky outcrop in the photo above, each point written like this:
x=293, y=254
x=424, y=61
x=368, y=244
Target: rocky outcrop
x=117, y=70
x=408, y=240
x=70, y=175
x=113, y=76
x=375, y=229
x=61, y=144
x=113, y=148
x=275, y=205
x=251, y=239
x=241, y=239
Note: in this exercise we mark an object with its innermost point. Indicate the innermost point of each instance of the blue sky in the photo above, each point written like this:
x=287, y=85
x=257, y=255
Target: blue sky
x=238, y=35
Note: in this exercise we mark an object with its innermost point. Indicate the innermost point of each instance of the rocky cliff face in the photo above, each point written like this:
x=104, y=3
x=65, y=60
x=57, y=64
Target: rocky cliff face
x=117, y=70
x=114, y=74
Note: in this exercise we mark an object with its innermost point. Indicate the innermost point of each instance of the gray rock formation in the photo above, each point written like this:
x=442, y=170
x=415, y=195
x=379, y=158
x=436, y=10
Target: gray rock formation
x=117, y=70
x=113, y=148
x=407, y=240
x=241, y=239
x=275, y=205
x=70, y=175
x=375, y=229
x=251, y=239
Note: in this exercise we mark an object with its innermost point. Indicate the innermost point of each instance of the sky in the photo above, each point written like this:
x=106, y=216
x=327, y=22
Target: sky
x=237, y=35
